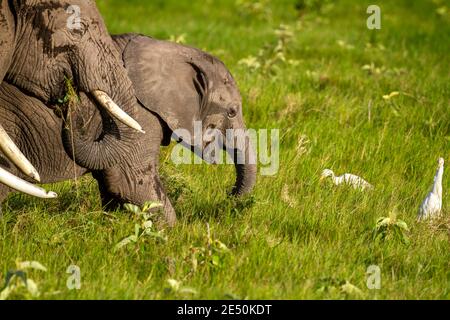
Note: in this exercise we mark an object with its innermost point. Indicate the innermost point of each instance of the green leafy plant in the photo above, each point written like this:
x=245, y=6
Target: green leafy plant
x=391, y=227
x=145, y=226
x=181, y=39
x=272, y=57
x=258, y=8
x=71, y=93
x=70, y=98
x=442, y=9
x=338, y=287
x=174, y=286
x=251, y=62
x=317, y=6
x=210, y=255
x=18, y=283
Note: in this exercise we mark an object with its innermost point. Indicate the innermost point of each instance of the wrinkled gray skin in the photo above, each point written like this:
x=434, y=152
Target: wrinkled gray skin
x=38, y=51
x=175, y=85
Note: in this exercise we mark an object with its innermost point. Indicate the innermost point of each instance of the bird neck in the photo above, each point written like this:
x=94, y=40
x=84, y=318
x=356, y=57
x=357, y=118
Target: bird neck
x=336, y=180
x=437, y=186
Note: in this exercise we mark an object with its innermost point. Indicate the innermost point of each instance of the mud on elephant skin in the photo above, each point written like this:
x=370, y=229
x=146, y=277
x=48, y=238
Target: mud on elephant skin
x=39, y=49
x=176, y=85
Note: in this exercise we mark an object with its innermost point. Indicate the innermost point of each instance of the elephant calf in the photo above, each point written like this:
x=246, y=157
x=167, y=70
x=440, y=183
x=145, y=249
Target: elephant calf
x=175, y=86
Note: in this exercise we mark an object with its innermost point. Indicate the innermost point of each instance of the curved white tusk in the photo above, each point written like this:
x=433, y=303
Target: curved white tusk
x=23, y=186
x=16, y=156
x=115, y=110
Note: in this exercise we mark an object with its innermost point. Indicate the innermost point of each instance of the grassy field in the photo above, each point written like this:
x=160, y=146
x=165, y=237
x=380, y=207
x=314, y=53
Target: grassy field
x=313, y=70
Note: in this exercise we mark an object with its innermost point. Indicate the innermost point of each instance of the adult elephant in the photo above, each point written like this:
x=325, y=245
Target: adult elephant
x=176, y=86
x=42, y=44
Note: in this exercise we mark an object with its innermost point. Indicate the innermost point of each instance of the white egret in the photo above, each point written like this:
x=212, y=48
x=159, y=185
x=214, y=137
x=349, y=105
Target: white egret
x=432, y=205
x=347, y=178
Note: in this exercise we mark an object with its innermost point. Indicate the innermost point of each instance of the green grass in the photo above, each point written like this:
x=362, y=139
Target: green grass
x=297, y=238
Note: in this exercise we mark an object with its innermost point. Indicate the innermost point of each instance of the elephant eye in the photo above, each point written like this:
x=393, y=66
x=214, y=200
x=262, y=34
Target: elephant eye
x=232, y=113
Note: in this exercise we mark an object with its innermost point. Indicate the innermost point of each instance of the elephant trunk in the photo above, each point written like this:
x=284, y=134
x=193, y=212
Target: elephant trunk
x=245, y=164
x=93, y=139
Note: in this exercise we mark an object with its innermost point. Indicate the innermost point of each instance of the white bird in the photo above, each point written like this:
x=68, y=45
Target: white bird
x=432, y=204
x=347, y=178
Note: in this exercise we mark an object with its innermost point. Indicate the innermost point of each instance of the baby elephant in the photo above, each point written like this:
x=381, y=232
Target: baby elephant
x=177, y=88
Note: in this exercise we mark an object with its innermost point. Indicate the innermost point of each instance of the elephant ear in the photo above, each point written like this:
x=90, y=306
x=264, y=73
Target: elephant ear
x=166, y=81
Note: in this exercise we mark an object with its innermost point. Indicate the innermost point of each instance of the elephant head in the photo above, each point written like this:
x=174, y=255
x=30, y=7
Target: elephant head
x=185, y=86
x=43, y=43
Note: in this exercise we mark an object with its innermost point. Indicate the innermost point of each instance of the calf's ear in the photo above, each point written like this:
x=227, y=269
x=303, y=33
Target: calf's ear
x=166, y=81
